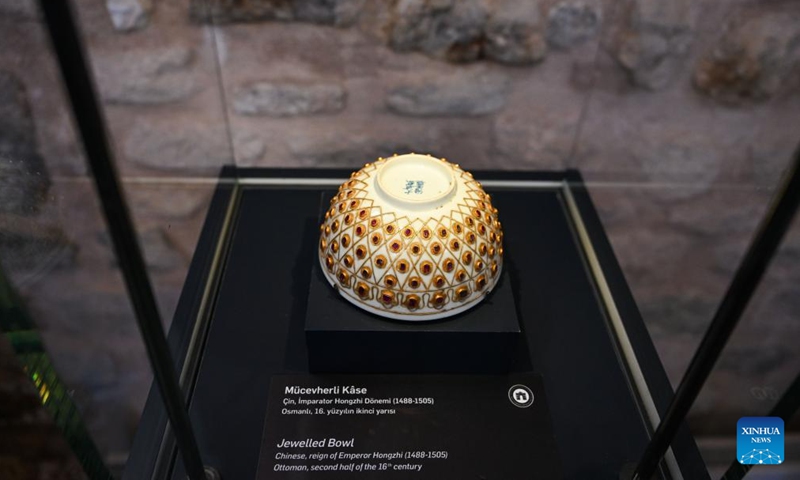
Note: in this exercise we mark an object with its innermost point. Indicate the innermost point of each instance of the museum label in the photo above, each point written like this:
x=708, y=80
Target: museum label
x=408, y=426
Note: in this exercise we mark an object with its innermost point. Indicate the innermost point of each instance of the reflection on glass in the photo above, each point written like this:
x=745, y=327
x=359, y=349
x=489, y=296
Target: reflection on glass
x=18, y=327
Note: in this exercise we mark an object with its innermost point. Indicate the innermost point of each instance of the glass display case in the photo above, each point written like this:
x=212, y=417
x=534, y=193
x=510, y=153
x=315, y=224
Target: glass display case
x=634, y=151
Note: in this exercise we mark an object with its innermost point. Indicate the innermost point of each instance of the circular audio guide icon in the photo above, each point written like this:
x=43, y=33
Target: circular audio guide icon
x=520, y=396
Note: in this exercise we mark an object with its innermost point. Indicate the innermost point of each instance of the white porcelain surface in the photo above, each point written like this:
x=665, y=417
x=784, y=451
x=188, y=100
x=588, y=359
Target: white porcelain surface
x=412, y=237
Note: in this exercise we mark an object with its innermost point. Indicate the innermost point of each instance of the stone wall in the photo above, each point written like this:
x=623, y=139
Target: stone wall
x=681, y=115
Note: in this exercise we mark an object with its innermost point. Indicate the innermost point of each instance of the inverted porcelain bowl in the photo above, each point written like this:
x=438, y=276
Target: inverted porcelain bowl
x=412, y=237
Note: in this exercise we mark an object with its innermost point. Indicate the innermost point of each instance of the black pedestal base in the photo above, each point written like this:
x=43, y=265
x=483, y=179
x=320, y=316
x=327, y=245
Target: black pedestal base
x=342, y=338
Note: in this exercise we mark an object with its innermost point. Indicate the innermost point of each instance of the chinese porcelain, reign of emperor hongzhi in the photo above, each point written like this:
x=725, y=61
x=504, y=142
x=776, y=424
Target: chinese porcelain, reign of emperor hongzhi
x=412, y=237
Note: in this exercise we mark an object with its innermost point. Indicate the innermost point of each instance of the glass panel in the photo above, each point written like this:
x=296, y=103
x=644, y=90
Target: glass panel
x=682, y=156
x=338, y=84
x=65, y=310
x=760, y=362
x=679, y=115
x=683, y=150
x=157, y=77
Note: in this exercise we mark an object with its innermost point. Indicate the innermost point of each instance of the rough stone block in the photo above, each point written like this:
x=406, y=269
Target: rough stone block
x=21, y=9
x=572, y=23
x=442, y=29
x=540, y=134
x=514, y=33
x=181, y=142
x=657, y=37
x=159, y=253
x=326, y=12
x=17, y=130
x=468, y=92
x=146, y=76
x=30, y=245
x=129, y=15
x=752, y=61
x=24, y=178
x=178, y=201
x=287, y=99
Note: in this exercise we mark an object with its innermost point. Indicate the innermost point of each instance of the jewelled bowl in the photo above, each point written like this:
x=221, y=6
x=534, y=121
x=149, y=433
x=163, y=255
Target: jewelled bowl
x=412, y=237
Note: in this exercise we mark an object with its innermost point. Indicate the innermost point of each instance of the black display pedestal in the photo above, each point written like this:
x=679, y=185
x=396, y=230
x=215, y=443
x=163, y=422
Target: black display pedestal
x=342, y=338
